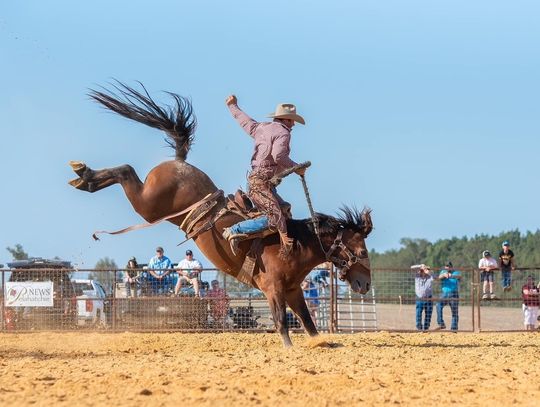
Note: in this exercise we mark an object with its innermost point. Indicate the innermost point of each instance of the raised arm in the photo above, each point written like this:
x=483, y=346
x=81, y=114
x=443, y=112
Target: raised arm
x=247, y=123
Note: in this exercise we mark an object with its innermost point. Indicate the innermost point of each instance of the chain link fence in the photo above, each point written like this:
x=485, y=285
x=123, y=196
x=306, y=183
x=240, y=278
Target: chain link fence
x=62, y=298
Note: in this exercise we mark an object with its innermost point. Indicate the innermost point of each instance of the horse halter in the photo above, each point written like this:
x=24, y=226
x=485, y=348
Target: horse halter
x=342, y=264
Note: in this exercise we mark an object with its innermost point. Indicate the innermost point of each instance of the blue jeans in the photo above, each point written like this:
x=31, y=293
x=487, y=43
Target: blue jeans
x=134, y=286
x=506, y=278
x=250, y=226
x=452, y=299
x=423, y=306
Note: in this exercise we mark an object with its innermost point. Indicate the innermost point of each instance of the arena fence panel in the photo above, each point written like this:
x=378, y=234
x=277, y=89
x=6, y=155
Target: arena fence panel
x=507, y=312
x=69, y=299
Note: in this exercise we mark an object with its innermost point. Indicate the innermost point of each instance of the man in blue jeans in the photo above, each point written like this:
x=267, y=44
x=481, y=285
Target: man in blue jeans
x=506, y=263
x=423, y=288
x=449, y=295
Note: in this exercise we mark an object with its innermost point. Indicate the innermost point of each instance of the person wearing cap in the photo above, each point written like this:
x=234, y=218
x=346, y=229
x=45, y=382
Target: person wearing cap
x=270, y=157
x=531, y=302
x=423, y=288
x=506, y=263
x=131, y=277
x=487, y=265
x=189, y=269
x=159, y=268
x=449, y=279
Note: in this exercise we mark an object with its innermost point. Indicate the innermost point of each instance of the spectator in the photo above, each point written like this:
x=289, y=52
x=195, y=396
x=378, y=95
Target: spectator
x=531, y=301
x=205, y=287
x=506, y=263
x=159, y=267
x=449, y=295
x=311, y=294
x=423, y=288
x=487, y=265
x=131, y=278
x=321, y=278
x=219, y=302
x=189, y=269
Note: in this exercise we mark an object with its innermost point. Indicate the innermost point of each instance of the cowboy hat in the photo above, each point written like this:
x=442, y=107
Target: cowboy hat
x=287, y=111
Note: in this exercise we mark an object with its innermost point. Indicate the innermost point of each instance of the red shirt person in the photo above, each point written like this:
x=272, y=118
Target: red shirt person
x=531, y=301
x=219, y=302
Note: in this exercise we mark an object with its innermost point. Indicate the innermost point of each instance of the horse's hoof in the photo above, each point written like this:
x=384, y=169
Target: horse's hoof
x=79, y=183
x=79, y=167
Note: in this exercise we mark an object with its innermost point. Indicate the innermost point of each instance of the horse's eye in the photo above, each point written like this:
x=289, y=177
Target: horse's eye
x=363, y=252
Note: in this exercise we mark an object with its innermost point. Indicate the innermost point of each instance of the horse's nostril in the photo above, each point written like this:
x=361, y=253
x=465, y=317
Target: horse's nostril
x=367, y=286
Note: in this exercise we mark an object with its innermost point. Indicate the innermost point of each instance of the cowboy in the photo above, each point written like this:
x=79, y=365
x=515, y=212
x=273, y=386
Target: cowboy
x=270, y=156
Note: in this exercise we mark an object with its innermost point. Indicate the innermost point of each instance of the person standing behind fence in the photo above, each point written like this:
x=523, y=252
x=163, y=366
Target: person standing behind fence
x=189, y=269
x=219, y=302
x=487, y=265
x=449, y=295
x=159, y=267
x=506, y=262
x=131, y=278
x=311, y=294
x=423, y=288
x=531, y=301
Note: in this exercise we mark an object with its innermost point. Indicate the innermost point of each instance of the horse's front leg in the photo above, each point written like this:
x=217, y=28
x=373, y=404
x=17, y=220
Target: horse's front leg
x=276, y=299
x=295, y=299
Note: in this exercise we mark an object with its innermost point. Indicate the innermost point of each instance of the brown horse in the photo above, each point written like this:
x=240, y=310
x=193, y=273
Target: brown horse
x=175, y=185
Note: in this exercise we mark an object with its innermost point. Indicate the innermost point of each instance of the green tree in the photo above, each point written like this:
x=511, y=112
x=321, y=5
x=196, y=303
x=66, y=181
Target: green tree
x=105, y=270
x=464, y=252
x=18, y=252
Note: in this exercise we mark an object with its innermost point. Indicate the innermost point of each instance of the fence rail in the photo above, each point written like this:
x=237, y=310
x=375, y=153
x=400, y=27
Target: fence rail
x=69, y=299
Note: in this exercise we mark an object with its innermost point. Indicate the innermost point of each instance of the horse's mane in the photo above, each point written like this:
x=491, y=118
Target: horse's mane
x=179, y=122
x=348, y=218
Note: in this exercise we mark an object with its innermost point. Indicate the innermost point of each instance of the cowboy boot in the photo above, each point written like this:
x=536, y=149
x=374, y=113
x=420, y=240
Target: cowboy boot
x=233, y=239
x=286, y=246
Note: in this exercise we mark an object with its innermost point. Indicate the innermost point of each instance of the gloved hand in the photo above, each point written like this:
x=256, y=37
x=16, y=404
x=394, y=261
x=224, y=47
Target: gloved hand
x=231, y=100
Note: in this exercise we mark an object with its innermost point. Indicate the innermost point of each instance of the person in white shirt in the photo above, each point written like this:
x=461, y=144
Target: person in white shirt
x=487, y=265
x=189, y=269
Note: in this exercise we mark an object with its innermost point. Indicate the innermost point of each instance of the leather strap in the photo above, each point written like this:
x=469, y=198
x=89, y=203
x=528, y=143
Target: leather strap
x=148, y=224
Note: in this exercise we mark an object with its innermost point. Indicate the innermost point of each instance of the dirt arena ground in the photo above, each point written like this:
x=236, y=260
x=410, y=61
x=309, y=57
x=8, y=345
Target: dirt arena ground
x=134, y=369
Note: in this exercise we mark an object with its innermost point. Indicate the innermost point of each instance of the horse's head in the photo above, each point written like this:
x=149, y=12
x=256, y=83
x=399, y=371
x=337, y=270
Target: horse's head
x=348, y=251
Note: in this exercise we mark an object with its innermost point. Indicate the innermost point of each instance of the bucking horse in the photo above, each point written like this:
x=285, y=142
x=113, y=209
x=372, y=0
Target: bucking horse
x=182, y=194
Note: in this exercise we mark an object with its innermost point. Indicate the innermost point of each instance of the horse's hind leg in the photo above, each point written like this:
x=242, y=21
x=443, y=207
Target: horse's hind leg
x=94, y=180
x=296, y=301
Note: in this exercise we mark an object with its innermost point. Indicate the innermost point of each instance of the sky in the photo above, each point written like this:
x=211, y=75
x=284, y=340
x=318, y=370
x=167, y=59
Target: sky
x=425, y=111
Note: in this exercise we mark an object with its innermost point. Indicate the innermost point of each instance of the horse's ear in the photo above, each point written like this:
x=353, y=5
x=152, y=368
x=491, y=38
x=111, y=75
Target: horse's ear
x=367, y=224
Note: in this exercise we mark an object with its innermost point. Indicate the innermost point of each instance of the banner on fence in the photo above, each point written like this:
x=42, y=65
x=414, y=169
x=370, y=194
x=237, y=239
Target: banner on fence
x=29, y=294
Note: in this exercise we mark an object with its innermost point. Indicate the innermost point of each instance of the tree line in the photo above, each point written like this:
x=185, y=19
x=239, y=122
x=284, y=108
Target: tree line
x=464, y=252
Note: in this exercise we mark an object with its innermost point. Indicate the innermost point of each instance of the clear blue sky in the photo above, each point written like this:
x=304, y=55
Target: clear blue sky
x=426, y=111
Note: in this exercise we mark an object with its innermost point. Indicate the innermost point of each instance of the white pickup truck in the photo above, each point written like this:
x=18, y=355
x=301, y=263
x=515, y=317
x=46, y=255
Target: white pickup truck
x=91, y=304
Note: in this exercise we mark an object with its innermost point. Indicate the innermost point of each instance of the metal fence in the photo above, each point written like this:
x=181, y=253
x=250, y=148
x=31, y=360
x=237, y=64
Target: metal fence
x=68, y=299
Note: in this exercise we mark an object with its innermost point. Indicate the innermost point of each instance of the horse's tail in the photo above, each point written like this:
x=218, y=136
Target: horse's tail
x=179, y=122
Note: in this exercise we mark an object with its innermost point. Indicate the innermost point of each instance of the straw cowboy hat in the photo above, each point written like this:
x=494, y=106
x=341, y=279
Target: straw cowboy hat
x=287, y=111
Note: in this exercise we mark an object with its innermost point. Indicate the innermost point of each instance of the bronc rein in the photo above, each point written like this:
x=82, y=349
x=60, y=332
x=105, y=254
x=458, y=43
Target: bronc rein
x=342, y=264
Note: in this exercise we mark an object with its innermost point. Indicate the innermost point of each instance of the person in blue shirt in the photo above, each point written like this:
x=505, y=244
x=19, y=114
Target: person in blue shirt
x=311, y=294
x=449, y=279
x=321, y=278
x=159, y=268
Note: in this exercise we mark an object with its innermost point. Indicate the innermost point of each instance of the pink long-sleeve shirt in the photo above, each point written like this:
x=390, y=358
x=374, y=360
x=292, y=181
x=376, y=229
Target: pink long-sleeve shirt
x=272, y=141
